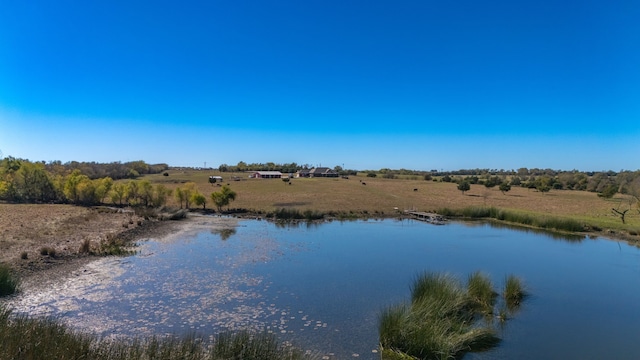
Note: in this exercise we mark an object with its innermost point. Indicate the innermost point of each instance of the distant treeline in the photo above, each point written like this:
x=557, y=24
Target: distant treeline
x=23, y=181
x=114, y=170
x=289, y=168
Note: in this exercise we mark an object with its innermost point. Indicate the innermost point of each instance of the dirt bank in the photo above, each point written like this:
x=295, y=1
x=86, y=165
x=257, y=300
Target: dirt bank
x=25, y=230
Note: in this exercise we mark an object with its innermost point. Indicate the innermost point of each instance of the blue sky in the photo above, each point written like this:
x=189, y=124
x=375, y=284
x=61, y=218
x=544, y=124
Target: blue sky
x=360, y=84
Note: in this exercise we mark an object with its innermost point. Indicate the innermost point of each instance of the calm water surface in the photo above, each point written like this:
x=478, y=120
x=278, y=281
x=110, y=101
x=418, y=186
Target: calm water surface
x=323, y=286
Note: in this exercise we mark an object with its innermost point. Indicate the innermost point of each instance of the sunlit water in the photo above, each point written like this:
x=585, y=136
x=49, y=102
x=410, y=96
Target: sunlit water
x=323, y=286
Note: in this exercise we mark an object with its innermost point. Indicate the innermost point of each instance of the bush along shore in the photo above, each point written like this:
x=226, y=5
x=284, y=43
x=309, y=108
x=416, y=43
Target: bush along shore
x=446, y=320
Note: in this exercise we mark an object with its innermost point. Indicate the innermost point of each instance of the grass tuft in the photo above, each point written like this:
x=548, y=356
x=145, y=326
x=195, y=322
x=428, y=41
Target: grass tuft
x=8, y=282
x=514, y=292
x=440, y=321
x=480, y=289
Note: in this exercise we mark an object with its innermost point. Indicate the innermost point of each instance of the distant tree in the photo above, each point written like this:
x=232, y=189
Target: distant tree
x=133, y=192
x=146, y=193
x=32, y=183
x=103, y=188
x=464, y=186
x=516, y=181
x=118, y=193
x=199, y=199
x=504, y=187
x=160, y=195
x=71, y=186
x=428, y=177
x=223, y=197
x=188, y=191
x=446, y=178
x=179, y=196
x=609, y=191
x=371, y=174
x=492, y=182
x=543, y=184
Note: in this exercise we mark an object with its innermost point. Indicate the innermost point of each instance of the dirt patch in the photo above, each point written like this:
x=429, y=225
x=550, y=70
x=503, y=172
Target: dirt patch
x=34, y=238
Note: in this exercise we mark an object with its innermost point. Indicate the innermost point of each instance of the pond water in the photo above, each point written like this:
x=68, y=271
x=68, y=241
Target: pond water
x=322, y=286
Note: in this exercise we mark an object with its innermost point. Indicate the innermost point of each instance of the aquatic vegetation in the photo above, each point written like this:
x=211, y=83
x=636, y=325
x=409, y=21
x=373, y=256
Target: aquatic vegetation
x=539, y=221
x=514, y=292
x=295, y=214
x=8, y=282
x=32, y=338
x=441, y=321
x=480, y=289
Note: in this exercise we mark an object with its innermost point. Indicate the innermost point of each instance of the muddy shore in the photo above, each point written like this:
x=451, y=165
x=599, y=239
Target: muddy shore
x=25, y=230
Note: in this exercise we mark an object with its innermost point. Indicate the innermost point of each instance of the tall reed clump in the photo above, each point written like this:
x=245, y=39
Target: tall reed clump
x=29, y=338
x=443, y=320
x=539, y=221
x=514, y=292
x=480, y=289
x=8, y=282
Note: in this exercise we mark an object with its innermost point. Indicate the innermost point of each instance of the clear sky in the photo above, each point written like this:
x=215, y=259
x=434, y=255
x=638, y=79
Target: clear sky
x=361, y=84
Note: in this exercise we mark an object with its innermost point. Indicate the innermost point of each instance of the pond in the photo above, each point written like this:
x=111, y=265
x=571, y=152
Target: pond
x=322, y=286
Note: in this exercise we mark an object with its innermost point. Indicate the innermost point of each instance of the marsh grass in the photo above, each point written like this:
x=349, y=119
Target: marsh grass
x=9, y=284
x=438, y=323
x=514, y=292
x=539, y=221
x=480, y=289
x=30, y=338
x=295, y=214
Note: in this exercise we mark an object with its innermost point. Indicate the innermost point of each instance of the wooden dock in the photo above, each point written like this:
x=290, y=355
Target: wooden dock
x=431, y=218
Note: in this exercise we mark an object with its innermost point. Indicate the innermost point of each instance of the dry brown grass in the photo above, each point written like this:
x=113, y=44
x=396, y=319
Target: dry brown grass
x=28, y=228
x=384, y=195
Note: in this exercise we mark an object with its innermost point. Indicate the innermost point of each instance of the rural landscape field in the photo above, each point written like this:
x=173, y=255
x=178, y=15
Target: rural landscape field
x=57, y=218
x=319, y=180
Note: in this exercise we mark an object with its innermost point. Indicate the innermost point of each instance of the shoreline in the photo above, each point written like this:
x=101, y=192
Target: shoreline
x=75, y=224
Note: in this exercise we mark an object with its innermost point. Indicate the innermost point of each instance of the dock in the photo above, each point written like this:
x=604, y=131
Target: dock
x=431, y=218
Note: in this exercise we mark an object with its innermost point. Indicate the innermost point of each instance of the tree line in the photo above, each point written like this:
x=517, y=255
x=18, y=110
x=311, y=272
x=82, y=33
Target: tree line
x=286, y=168
x=23, y=181
x=606, y=184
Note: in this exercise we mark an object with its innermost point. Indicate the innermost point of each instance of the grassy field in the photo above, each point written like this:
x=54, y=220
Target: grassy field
x=386, y=197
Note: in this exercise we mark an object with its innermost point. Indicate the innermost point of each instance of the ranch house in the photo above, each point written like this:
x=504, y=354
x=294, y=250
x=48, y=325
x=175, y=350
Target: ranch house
x=318, y=172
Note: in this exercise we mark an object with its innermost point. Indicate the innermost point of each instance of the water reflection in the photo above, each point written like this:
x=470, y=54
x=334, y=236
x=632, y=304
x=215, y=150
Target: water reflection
x=224, y=233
